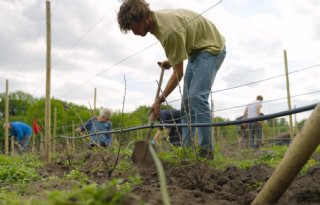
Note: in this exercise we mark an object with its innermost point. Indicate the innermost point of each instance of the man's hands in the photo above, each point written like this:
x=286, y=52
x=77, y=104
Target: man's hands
x=165, y=64
x=78, y=129
x=155, y=108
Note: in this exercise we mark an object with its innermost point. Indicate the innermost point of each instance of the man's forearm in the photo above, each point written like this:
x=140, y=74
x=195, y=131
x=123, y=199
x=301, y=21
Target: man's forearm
x=174, y=80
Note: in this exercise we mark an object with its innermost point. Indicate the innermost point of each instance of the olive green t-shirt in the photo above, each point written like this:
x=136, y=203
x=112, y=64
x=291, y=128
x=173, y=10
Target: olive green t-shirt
x=183, y=33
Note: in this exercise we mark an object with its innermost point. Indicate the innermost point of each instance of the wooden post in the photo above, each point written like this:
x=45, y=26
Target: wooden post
x=54, y=130
x=273, y=128
x=73, y=134
x=68, y=145
x=33, y=142
x=294, y=159
x=6, y=116
x=12, y=146
x=296, y=130
x=48, y=83
x=288, y=92
x=95, y=101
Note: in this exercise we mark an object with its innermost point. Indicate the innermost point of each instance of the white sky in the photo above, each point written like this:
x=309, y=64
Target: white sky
x=89, y=51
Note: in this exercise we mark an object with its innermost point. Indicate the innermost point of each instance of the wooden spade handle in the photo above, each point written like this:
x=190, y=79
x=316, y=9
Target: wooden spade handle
x=152, y=116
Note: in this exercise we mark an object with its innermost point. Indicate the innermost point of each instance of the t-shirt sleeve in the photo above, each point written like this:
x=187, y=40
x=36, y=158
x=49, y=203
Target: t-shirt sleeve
x=174, y=47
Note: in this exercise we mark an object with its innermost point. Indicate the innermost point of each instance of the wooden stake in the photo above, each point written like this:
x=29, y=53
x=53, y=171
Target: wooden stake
x=294, y=159
x=48, y=83
x=54, y=130
x=288, y=93
x=6, y=116
x=73, y=134
x=33, y=142
x=12, y=146
x=95, y=101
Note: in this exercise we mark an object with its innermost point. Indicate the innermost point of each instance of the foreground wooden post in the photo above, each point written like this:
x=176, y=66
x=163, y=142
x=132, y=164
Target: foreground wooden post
x=294, y=159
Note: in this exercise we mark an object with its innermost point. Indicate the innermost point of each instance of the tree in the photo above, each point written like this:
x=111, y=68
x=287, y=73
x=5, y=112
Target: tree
x=67, y=114
x=19, y=102
x=37, y=111
x=76, y=114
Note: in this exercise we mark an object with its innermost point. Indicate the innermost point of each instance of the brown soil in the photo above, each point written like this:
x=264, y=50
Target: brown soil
x=185, y=184
x=230, y=186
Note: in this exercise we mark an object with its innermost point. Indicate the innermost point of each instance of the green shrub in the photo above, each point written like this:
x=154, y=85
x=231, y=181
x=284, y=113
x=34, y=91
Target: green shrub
x=17, y=170
x=78, y=176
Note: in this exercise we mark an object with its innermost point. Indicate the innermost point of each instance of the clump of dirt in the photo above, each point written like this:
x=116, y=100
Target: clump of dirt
x=54, y=170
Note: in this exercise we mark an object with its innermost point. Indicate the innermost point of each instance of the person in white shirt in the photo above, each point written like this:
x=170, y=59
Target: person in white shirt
x=255, y=128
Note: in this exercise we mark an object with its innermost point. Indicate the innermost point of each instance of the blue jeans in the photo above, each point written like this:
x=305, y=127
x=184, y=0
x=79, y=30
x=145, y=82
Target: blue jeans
x=101, y=139
x=255, y=130
x=198, y=80
x=24, y=143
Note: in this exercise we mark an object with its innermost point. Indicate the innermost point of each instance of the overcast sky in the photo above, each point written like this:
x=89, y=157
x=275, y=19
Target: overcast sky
x=89, y=51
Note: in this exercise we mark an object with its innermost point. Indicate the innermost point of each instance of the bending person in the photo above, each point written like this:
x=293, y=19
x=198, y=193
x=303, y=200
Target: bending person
x=96, y=127
x=21, y=132
x=184, y=35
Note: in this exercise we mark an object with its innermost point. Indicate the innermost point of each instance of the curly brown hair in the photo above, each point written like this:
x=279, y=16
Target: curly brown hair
x=132, y=11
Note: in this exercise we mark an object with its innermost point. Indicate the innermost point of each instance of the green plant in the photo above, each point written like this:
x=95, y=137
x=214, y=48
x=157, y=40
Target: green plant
x=31, y=160
x=272, y=156
x=77, y=175
x=178, y=154
x=9, y=198
x=112, y=193
x=17, y=170
x=124, y=166
x=254, y=185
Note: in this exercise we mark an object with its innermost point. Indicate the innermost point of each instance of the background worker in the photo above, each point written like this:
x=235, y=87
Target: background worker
x=173, y=132
x=183, y=34
x=95, y=128
x=21, y=132
x=255, y=128
x=242, y=133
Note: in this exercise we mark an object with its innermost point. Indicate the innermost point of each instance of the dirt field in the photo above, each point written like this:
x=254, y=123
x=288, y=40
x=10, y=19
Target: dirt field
x=219, y=187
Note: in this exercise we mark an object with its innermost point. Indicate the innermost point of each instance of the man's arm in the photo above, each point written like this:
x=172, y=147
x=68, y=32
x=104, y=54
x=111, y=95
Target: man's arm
x=258, y=110
x=85, y=127
x=245, y=114
x=174, y=80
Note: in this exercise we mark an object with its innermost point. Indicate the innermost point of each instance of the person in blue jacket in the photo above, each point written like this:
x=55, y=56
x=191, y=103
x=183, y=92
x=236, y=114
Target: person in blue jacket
x=95, y=128
x=174, y=132
x=21, y=132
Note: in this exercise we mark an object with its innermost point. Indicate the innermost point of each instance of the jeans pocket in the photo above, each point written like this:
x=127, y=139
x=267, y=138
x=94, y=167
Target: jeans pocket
x=219, y=59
